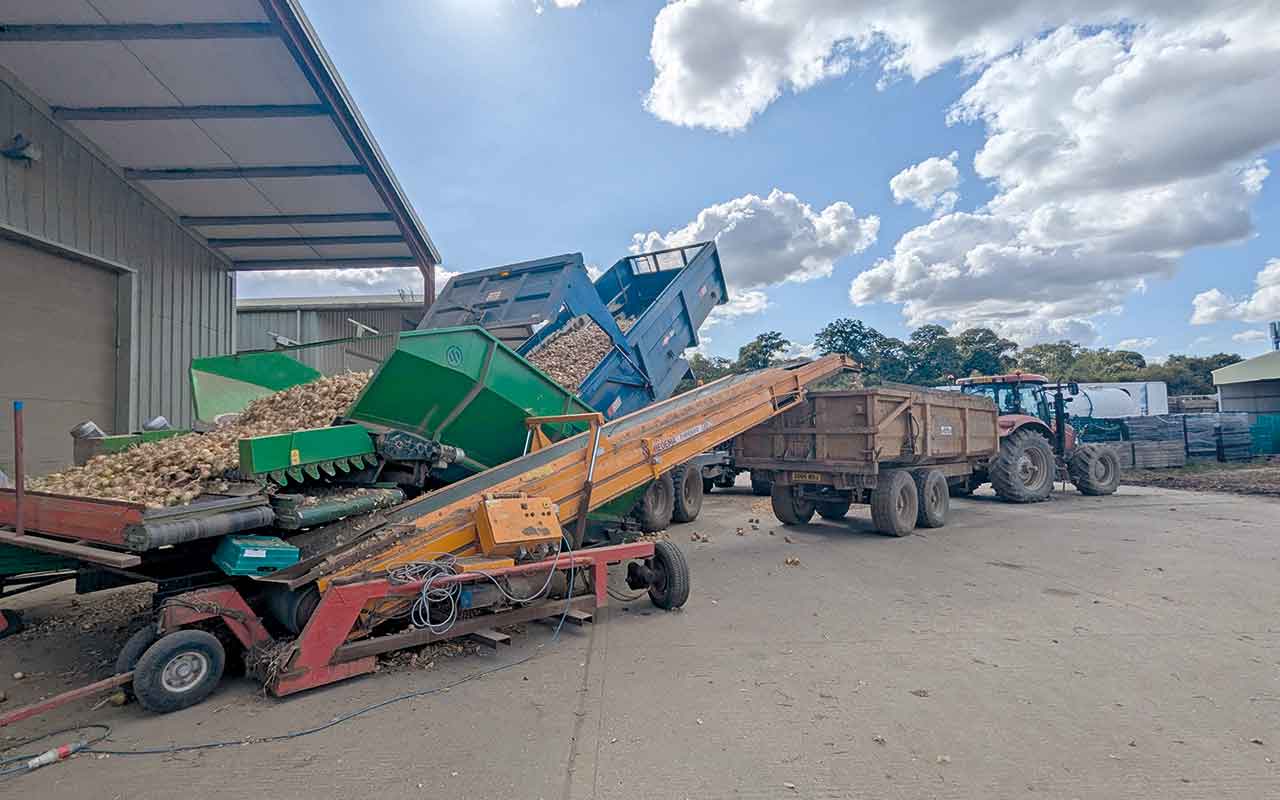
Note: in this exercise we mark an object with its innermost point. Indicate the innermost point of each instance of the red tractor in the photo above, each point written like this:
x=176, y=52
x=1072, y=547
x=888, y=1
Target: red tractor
x=1037, y=445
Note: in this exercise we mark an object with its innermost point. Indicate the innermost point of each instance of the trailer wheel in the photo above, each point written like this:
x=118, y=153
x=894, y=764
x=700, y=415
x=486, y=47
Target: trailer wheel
x=834, y=509
x=760, y=485
x=133, y=649
x=895, y=504
x=934, y=498
x=1023, y=470
x=178, y=670
x=657, y=505
x=13, y=623
x=1094, y=470
x=788, y=508
x=687, y=482
x=670, y=586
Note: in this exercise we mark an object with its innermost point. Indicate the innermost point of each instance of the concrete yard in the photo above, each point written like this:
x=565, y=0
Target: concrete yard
x=1118, y=647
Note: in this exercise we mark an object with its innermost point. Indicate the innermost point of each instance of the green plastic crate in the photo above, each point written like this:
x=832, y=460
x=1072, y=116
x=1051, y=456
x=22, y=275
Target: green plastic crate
x=254, y=555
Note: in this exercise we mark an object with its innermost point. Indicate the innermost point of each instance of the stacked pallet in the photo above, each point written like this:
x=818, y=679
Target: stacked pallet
x=1154, y=429
x=1235, y=441
x=1159, y=455
x=1202, y=439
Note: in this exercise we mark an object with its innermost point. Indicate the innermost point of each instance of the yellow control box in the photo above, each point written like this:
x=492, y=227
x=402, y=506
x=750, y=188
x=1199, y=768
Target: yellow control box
x=508, y=523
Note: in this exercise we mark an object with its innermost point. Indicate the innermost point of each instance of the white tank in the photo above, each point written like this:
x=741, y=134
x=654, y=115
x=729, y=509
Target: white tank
x=1103, y=402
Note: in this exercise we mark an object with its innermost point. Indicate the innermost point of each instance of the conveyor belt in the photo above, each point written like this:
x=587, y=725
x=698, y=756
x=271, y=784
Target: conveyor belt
x=632, y=451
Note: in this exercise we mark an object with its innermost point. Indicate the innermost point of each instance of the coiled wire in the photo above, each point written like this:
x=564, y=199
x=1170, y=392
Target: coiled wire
x=432, y=597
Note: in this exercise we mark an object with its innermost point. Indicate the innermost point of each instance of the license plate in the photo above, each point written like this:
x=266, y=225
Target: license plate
x=806, y=477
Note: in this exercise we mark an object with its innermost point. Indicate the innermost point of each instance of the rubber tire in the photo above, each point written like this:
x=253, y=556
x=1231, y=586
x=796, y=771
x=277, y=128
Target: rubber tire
x=1003, y=469
x=675, y=591
x=895, y=504
x=834, y=509
x=760, y=487
x=789, y=509
x=13, y=623
x=708, y=484
x=687, y=501
x=133, y=649
x=150, y=691
x=934, y=498
x=1094, y=470
x=656, y=507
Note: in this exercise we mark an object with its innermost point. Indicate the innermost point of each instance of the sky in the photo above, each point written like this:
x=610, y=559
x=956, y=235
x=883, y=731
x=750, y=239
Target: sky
x=1098, y=171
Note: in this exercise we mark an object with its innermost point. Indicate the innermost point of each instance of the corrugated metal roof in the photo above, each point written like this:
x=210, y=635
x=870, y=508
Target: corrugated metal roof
x=1265, y=367
x=231, y=114
x=364, y=301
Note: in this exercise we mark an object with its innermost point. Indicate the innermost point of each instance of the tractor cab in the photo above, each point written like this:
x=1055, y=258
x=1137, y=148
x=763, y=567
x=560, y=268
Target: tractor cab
x=1016, y=394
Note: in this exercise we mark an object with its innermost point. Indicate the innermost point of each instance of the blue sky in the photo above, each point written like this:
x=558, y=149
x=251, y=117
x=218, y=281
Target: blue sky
x=519, y=134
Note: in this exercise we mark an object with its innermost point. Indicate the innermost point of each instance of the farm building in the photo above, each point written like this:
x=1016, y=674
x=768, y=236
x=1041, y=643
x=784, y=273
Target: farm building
x=150, y=152
x=1252, y=385
x=367, y=328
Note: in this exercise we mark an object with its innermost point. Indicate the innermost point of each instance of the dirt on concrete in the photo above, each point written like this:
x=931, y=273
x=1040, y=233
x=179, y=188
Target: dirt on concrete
x=1092, y=648
x=1251, y=478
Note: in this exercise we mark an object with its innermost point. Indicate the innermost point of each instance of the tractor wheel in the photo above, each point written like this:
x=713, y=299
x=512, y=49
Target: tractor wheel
x=760, y=486
x=834, y=509
x=934, y=498
x=657, y=505
x=1094, y=470
x=1023, y=470
x=670, y=587
x=788, y=508
x=688, y=493
x=708, y=484
x=895, y=503
x=179, y=670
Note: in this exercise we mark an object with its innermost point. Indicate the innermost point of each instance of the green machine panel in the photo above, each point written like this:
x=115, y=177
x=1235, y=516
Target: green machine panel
x=462, y=387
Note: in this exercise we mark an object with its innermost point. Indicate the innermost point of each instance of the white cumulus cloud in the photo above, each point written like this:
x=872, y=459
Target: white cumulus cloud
x=765, y=241
x=335, y=282
x=1253, y=335
x=929, y=185
x=1119, y=134
x=719, y=63
x=1136, y=344
x=540, y=6
x=1263, y=305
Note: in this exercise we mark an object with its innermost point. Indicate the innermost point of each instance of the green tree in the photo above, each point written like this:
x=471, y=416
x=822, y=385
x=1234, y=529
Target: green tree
x=1054, y=360
x=710, y=369
x=761, y=351
x=933, y=356
x=882, y=358
x=984, y=352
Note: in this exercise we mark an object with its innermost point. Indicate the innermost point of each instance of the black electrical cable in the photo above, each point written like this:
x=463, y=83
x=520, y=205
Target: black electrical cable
x=19, y=760
x=186, y=748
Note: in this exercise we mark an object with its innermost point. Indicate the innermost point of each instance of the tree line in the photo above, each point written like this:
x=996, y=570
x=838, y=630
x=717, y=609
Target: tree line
x=932, y=356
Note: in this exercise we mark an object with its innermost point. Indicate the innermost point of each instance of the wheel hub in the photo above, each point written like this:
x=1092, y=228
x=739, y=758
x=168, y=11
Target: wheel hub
x=184, y=671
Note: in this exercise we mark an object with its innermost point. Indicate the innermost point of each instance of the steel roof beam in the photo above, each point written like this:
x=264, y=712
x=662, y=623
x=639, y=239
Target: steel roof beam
x=97, y=33
x=189, y=112
x=324, y=263
x=293, y=241
x=200, y=173
x=286, y=219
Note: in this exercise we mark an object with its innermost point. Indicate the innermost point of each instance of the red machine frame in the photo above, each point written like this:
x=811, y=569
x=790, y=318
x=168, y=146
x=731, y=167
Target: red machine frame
x=322, y=654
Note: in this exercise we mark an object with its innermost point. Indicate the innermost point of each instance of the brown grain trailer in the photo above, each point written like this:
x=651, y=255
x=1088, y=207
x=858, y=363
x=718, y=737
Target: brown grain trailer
x=893, y=446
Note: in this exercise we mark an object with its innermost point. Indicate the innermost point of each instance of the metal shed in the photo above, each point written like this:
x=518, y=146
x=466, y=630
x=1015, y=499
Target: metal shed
x=1252, y=385
x=151, y=151
x=367, y=326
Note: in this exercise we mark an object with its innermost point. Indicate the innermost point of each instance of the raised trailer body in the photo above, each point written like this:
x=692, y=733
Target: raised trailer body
x=854, y=446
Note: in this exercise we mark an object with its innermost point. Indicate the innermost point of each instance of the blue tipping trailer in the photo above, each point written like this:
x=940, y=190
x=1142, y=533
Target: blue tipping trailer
x=662, y=298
